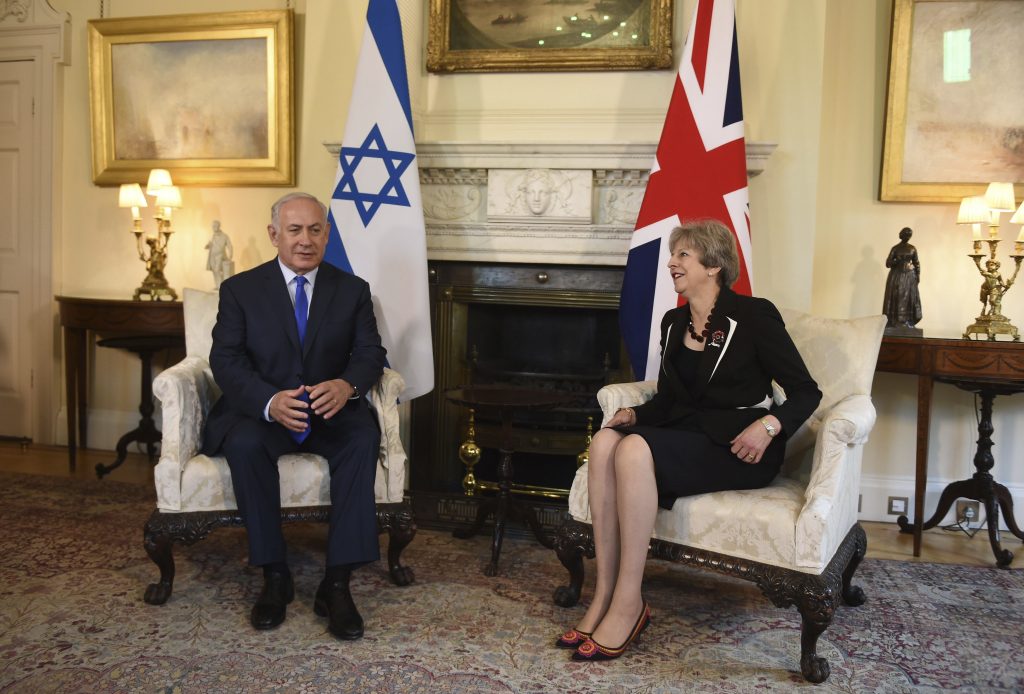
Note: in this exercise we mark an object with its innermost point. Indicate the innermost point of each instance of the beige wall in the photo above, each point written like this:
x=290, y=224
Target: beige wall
x=813, y=76
x=854, y=234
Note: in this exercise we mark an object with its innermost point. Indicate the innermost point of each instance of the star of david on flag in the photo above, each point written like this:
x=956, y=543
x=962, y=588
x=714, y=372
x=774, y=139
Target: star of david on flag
x=390, y=193
x=376, y=214
x=700, y=171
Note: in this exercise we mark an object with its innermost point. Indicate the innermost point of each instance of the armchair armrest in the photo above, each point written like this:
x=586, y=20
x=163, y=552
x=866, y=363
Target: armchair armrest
x=616, y=395
x=389, y=482
x=186, y=392
x=830, y=503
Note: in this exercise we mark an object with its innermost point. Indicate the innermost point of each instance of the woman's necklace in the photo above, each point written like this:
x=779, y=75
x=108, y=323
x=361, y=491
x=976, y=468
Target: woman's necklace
x=703, y=333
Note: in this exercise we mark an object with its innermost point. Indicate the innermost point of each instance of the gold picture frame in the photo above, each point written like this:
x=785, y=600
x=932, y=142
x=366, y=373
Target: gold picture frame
x=550, y=35
x=954, y=116
x=207, y=96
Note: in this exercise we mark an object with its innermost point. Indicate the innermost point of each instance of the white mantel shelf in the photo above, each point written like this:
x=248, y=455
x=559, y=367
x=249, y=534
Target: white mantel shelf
x=476, y=208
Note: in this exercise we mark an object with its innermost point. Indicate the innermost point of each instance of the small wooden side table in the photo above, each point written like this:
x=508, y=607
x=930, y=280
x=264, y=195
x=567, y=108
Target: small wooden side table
x=106, y=318
x=505, y=401
x=986, y=367
x=981, y=487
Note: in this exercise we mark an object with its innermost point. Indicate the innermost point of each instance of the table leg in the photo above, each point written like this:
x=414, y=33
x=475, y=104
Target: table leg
x=73, y=340
x=146, y=432
x=1006, y=503
x=924, y=406
x=501, y=511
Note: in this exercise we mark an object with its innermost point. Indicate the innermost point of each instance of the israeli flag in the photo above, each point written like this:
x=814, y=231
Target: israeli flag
x=376, y=215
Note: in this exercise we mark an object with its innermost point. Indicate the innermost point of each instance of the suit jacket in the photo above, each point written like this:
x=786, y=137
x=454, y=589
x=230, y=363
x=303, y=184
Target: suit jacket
x=747, y=347
x=256, y=350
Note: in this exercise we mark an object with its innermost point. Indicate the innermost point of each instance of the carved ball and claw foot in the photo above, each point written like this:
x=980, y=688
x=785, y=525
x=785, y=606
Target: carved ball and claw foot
x=573, y=542
x=398, y=521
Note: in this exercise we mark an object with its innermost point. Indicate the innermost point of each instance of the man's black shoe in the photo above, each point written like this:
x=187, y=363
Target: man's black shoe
x=270, y=608
x=334, y=601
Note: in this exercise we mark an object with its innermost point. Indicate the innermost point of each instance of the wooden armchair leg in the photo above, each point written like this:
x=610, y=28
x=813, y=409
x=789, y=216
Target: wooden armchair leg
x=398, y=521
x=159, y=547
x=853, y=595
x=574, y=541
x=814, y=668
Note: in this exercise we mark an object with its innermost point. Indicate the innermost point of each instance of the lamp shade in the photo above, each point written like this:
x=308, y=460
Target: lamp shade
x=158, y=178
x=168, y=197
x=131, y=196
x=999, y=197
x=973, y=210
x=1018, y=216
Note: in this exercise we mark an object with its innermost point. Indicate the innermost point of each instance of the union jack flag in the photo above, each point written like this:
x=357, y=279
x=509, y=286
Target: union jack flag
x=700, y=171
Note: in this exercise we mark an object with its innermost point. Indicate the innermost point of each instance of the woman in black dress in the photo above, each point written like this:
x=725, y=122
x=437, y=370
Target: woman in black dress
x=711, y=426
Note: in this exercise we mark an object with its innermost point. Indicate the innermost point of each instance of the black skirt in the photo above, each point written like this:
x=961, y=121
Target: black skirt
x=688, y=462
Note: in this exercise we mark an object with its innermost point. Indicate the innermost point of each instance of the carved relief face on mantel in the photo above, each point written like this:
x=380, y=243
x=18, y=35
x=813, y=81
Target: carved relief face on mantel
x=538, y=187
x=528, y=195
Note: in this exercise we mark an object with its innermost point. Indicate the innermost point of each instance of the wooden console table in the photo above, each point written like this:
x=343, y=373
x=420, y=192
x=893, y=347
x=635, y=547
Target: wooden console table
x=107, y=318
x=987, y=367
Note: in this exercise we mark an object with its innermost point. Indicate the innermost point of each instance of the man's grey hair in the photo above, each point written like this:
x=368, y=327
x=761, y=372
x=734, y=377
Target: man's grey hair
x=275, y=209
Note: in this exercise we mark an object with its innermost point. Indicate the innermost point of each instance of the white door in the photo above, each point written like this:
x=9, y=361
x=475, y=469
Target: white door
x=17, y=247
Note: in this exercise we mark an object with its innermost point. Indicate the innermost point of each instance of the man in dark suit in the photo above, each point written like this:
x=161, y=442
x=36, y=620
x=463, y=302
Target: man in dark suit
x=294, y=348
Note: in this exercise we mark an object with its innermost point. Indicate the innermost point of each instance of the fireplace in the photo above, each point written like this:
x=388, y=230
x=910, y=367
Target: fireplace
x=543, y=326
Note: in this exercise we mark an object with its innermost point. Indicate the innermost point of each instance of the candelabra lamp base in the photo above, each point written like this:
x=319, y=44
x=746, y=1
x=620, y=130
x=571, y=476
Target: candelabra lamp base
x=991, y=325
x=155, y=288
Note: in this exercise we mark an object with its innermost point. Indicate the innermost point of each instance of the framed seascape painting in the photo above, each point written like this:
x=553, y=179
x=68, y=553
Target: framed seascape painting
x=955, y=110
x=525, y=35
x=207, y=96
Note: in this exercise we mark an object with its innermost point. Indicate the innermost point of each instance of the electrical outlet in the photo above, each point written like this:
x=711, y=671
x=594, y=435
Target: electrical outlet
x=967, y=512
x=898, y=505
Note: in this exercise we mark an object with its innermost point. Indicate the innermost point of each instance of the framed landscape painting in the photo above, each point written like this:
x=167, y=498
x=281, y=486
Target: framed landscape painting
x=955, y=111
x=524, y=35
x=206, y=96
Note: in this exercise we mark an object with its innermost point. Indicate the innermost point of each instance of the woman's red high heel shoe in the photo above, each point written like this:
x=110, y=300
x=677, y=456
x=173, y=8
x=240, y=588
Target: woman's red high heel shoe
x=591, y=650
x=571, y=639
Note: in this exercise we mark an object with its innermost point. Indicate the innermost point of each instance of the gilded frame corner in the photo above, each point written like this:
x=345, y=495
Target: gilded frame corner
x=272, y=159
x=443, y=58
x=894, y=184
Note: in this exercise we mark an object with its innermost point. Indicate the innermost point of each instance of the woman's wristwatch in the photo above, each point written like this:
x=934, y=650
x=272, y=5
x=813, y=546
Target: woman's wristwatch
x=769, y=427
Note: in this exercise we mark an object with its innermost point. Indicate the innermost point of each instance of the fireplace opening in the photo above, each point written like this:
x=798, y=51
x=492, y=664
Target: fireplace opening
x=537, y=326
x=569, y=349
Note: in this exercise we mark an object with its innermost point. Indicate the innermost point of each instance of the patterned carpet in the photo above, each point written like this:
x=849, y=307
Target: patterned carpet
x=72, y=572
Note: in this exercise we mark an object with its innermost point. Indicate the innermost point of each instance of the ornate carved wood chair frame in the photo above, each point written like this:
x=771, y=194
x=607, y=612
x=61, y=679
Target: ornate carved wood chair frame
x=816, y=596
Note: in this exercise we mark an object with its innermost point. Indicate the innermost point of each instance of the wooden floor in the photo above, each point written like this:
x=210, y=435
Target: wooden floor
x=884, y=539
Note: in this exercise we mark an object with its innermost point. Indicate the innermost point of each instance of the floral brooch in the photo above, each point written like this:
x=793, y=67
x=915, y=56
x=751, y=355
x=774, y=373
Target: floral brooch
x=717, y=338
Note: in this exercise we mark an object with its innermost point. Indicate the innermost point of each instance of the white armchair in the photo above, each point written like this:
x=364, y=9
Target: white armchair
x=798, y=538
x=194, y=492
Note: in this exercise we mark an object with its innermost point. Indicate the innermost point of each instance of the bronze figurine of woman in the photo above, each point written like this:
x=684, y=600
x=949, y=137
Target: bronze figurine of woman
x=902, y=303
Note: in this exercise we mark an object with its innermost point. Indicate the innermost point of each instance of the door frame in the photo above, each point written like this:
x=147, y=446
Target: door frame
x=41, y=34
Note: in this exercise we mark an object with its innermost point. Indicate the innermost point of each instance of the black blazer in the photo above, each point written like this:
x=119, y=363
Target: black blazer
x=746, y=349
x=256, y=350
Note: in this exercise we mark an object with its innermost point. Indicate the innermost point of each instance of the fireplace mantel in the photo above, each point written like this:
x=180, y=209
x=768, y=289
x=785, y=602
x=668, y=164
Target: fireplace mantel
x=559, y=203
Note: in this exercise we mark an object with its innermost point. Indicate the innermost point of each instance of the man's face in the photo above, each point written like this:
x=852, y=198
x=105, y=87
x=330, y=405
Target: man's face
x=302, y=236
